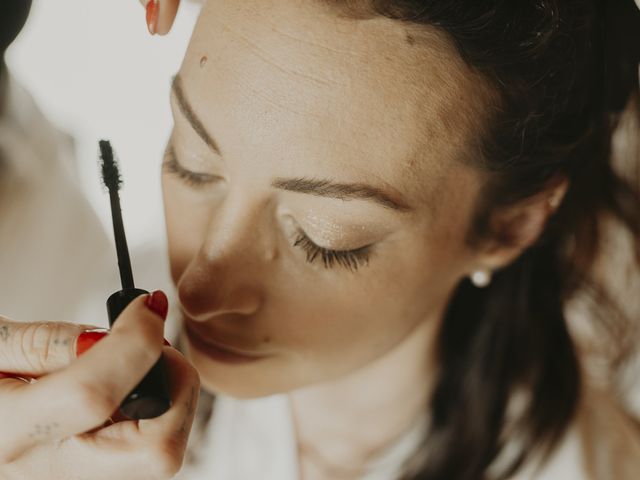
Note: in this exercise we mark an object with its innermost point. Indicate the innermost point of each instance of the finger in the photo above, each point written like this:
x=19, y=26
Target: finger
x=36, y=348
x=173, y=427
x=164, y=437
x=83, y=395
x=185, y=390
x=14, y=376
x=160, y=15
x=167, y=15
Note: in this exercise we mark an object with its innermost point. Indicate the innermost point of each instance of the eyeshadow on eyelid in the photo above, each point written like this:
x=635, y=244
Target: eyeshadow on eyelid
x=337, y=235
x=191, y=161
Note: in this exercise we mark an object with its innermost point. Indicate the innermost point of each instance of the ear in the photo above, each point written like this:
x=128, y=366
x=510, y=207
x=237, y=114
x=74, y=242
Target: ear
x=518, y=227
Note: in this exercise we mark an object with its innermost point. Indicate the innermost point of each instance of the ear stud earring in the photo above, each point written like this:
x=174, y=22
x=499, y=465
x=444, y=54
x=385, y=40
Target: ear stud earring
x=481, y=278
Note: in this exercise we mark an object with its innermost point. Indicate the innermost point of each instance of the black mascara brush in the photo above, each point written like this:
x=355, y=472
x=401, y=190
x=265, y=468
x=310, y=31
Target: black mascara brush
x=113, y=182
x=150, y=398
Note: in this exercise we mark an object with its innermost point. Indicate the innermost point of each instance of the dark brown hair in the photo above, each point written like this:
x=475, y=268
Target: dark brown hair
x=564, y=70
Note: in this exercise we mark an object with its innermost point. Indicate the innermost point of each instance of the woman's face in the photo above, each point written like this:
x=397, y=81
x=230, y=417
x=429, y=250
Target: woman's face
x=315, y=196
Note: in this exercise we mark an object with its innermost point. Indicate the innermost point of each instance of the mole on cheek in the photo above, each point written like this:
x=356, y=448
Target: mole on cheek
x=203, y=61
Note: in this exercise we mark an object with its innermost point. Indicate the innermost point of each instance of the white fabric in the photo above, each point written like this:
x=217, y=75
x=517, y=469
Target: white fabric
x=251, y=439
x=255, y=439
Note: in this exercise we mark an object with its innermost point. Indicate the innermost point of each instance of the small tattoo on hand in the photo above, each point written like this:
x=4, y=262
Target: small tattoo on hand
x=190, y=410
x=44, y=430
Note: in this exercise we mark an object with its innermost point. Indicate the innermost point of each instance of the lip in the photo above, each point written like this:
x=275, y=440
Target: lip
x=217, y=351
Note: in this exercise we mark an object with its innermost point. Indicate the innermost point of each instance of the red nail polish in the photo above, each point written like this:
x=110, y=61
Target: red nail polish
x=86, y=340
x=158, y=303
x=153, y=8
x=23, y=377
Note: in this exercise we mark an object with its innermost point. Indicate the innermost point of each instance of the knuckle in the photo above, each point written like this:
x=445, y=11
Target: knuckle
x=95, y=401
x=187, y=370
x=35, y=343
x=192, y=376
x=142, y=326
x=8, y=454
x=166, y=459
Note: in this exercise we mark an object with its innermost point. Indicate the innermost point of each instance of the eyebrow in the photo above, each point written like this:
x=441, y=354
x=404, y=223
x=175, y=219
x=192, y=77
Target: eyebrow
x=318, y=187
x=342, y=191
x=192, y=118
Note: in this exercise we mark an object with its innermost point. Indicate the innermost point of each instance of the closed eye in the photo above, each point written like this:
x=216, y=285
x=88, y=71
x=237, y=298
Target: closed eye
x=171, y=166
x=349, y=259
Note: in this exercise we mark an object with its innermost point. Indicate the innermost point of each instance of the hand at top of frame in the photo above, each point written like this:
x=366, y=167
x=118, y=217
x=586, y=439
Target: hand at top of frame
x=160, y=15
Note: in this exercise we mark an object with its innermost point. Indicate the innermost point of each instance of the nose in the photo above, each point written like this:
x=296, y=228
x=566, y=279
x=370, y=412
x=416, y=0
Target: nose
x=229, y=273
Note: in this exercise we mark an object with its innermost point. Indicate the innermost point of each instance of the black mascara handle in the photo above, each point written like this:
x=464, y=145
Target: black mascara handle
x=151, y=397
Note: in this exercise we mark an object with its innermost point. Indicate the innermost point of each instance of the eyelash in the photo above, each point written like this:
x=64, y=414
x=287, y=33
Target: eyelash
x=349, y=259
x=193, y=179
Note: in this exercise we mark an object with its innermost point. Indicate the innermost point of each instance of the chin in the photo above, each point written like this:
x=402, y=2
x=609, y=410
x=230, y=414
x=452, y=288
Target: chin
x=257, y=379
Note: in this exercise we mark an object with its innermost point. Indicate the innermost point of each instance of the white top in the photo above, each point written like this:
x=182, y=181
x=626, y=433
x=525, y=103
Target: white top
x=251, y=439
x=255, y=439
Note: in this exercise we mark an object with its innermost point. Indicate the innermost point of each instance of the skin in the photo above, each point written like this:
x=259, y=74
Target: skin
x=58, y=410
x=65, y=424
x=290, y=90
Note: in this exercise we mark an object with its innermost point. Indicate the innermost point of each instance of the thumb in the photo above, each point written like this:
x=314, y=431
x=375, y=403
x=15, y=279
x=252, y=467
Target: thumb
x=37, y=348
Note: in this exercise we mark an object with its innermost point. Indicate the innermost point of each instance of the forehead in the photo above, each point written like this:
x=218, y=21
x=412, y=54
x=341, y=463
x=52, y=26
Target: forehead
x=374, y=99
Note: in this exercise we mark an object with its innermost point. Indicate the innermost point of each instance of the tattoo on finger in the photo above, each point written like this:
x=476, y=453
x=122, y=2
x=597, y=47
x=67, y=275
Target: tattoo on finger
x=43, y=430
x=191, y=402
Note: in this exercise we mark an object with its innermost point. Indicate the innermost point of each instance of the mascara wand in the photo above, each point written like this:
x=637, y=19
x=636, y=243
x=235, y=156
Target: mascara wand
x=150, y=398
x=113, y=181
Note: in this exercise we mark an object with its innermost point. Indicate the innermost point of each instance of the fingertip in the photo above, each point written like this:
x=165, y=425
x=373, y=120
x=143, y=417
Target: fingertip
x=167, y=11
x=88, y=339
x=158, y=303
x=14, y=376
x=138, y=316
x=152, y=13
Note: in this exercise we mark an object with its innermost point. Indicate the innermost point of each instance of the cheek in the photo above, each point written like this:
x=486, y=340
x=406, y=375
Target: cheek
x=337, y=321
x=353, y=319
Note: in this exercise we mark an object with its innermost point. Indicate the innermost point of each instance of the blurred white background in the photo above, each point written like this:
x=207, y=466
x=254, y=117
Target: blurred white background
x=96, y=73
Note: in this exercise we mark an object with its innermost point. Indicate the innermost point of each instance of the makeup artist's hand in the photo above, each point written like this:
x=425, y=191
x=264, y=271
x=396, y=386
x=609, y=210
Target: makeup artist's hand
x=160, y=15
x=58, y=427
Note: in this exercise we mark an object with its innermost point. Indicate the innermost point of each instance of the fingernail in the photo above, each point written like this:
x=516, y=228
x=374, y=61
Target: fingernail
x=166, y=342
x=158, y=303
x=153, y=8
x=15, y=376
x=86, y=340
